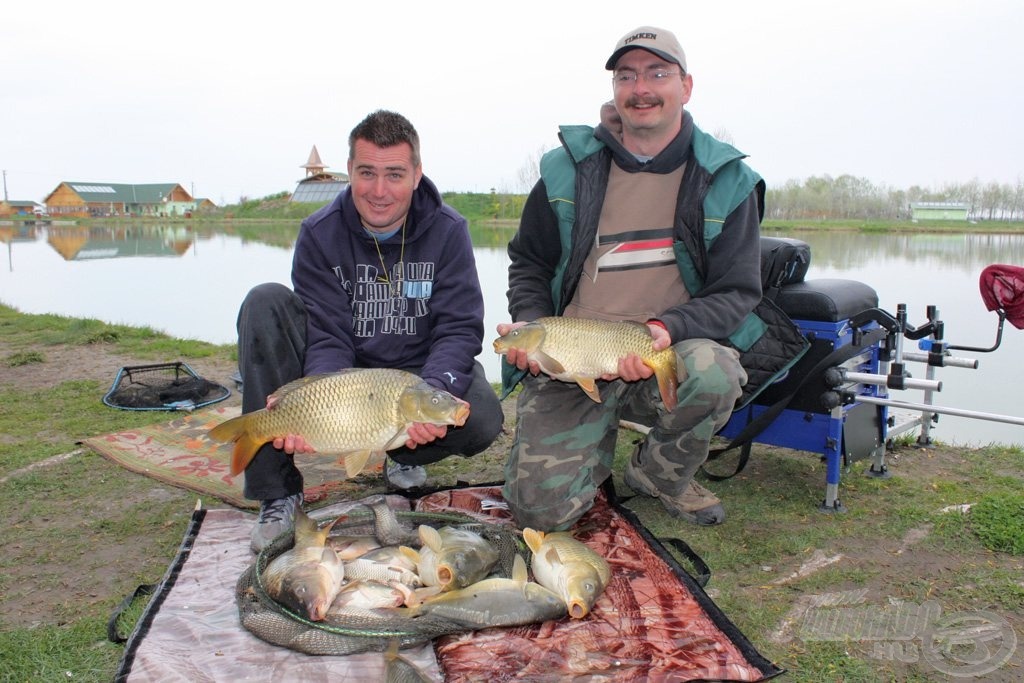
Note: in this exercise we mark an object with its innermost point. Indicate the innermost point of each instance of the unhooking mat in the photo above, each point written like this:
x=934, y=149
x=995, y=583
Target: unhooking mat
x=653, y=622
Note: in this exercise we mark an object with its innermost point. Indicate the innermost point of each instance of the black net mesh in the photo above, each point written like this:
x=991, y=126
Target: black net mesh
x=164, y=386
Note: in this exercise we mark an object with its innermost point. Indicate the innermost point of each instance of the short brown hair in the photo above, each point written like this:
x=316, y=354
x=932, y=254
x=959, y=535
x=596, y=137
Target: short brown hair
x=385, y=129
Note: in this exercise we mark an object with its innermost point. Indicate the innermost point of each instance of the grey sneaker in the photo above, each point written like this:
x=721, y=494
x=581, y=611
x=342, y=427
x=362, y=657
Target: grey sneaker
x=399, y=476
x=696, y=504
x=276, y=517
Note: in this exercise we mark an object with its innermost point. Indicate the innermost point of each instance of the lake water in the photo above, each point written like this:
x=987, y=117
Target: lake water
x=189, y=282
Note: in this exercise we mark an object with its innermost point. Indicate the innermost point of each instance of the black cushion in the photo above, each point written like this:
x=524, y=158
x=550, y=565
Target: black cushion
x=826, y=300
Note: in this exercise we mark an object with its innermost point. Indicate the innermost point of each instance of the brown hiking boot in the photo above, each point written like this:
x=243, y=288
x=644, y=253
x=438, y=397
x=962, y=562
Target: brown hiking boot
x=696, y=504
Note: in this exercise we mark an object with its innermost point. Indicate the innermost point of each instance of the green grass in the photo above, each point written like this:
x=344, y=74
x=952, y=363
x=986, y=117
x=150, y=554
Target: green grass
x=998, y=520
x=77, y=651
x=84, y=532
x=26, y=333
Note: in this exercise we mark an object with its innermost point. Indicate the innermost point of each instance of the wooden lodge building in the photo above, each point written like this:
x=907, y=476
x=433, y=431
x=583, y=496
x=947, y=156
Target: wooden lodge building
x=20, y=207
x=93, y=200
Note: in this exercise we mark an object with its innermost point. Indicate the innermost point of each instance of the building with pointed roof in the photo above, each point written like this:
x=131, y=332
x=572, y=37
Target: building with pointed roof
x=320, y=186
x=313, y=165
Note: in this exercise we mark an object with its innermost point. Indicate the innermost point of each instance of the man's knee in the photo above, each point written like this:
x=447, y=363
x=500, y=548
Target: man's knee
x=714, y=375
x=543, y=510
x=487, y=418
x=272, y=314
x=545, y=519
x=269, y=296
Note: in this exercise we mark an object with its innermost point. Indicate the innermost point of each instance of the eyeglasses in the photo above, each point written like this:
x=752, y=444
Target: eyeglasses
x=628, y=76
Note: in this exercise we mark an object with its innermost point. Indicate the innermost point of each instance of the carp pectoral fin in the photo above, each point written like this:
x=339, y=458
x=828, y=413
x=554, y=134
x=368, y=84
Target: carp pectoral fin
x=589, y=387
x=355, y=462
x=550, y=365
x=519, y=574
x=430, y=537
x=243, y=452
x=411, y=553
x=409, y=596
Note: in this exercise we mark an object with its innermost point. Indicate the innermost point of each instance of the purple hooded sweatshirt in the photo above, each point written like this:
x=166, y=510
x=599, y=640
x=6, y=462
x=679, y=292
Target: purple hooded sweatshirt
x=416, y=306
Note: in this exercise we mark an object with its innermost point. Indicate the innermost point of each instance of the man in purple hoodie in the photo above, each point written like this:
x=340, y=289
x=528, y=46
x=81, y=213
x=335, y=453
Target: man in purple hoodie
x=384, y=277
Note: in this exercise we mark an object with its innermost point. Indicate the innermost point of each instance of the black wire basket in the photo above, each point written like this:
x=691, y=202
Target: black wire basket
x=163, y=386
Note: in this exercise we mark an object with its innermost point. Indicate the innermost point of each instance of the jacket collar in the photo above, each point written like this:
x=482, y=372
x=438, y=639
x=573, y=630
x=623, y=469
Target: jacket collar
x=609, y=131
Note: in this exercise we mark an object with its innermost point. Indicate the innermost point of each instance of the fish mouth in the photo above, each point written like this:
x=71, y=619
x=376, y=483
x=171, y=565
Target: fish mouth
x=578, y=609
x=445, y=575
x=461, y=414
x=318, y=610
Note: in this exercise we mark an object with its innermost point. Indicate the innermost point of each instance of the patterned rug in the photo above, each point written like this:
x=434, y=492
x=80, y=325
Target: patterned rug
x=178, y=453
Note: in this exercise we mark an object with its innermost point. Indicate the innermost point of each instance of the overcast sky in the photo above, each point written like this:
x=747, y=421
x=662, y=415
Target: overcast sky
x=228, y=98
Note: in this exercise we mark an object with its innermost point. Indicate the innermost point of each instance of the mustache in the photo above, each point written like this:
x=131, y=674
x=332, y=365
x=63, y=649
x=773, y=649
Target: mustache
x=647, y=99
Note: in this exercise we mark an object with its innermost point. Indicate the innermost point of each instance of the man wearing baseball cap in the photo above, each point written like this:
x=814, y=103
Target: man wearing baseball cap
x=643, y=218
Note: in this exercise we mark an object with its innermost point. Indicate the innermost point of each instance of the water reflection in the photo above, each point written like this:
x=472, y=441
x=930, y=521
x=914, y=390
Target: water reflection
x=188, y=282
x=16, y=232
x=76, y=243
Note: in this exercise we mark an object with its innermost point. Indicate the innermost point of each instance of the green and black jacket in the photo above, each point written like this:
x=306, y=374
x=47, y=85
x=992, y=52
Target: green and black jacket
x=716, y=243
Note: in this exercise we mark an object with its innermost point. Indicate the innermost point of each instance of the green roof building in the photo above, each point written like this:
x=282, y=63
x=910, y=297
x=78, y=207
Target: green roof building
x=92, y=199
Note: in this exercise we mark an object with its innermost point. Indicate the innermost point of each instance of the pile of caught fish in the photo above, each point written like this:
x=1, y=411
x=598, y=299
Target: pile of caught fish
x=374, y=577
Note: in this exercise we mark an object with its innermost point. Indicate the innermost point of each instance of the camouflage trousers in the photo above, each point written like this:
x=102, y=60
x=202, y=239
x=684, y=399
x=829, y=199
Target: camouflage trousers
x=564, y=442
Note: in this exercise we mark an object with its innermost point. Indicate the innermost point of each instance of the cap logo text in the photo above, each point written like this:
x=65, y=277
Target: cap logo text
x=640, y=36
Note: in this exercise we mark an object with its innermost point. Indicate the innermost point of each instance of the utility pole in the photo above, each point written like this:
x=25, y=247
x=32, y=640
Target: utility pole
x=5, y=185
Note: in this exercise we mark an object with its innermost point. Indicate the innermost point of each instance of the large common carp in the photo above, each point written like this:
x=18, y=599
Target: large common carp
x=453, y=558
x=356, y=413
x=494, y=602
x=308, y=576
x=568, y=567
x=582, y=350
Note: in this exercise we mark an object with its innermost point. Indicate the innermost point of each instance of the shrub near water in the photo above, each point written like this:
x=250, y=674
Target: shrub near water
x=998, y=520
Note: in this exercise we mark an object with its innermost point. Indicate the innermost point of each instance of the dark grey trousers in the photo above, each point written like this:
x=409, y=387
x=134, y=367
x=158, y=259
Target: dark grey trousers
x=272, y=352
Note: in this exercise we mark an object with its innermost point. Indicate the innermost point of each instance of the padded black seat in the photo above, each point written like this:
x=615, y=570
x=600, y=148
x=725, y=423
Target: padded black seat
x=826, y=300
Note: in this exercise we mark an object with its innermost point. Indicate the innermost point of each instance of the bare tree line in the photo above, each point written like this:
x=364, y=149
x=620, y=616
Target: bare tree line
x=849, y=197
x=823, y=197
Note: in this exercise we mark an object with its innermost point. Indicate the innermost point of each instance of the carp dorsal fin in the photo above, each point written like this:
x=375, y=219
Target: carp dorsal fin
x=288, y=388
